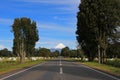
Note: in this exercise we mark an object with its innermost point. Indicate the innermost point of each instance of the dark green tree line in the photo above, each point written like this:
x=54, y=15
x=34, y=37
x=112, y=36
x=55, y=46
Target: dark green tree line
x=44, y=52
x=55, y=53
x=25, y=37
x=66, y=52
x=6, y=53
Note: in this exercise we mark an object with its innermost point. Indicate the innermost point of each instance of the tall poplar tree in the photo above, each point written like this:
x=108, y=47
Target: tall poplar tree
x=25, y=37
x=97, y=21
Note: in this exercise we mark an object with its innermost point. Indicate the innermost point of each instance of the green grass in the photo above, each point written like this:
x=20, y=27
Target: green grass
x=106, y=68
x=102, y=67
x=12, y=65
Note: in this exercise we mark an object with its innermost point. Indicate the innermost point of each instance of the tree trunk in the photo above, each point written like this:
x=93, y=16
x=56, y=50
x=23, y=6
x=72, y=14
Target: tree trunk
x=22, y=52
x=22, y=59
x=99, y=56
x=29, y=58
x=104, y=54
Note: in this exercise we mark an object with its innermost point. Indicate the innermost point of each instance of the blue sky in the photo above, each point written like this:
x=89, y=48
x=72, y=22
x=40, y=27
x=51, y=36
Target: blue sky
x=56, y=21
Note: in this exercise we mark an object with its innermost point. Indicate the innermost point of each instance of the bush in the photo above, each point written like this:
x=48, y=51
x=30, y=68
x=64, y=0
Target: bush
x=115, y=63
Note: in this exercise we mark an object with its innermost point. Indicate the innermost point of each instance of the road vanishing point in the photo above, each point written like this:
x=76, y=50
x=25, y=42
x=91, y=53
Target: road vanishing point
x=58, y=69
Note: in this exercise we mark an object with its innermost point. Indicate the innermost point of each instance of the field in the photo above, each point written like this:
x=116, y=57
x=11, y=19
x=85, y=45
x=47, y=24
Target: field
x=11, y=65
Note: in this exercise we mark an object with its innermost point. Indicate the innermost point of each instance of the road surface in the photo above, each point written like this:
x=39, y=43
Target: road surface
x=59, y=69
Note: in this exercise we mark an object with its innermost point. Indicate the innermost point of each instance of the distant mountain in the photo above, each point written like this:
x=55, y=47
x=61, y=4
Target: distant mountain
x=58, y=47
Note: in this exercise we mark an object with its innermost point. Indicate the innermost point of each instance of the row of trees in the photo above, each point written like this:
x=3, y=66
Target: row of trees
x=113, y=51
x=44, y=52
x=40, y=52
x=97, y=25
x=6, y=53
x=66, y=52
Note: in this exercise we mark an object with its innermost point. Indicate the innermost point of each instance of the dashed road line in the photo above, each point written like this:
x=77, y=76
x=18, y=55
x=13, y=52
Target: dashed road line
x=61, y=70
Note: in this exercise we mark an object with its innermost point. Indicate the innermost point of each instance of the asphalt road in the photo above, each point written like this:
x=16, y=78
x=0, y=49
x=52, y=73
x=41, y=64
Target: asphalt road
x=59, y=69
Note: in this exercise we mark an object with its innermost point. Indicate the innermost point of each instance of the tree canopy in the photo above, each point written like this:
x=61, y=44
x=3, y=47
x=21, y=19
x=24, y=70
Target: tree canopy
x=97, y=21
x=5, y=53
x=25, y=37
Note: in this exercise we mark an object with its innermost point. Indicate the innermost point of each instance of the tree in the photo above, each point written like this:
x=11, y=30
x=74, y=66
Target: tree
x=97, y=20
x=65, y=52
x=5, y=53
x=113, y=51
x=44, y=52
x=25, y=37
x=54, y=54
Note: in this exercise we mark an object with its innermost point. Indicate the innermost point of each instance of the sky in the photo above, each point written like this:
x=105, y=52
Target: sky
x=56, y=21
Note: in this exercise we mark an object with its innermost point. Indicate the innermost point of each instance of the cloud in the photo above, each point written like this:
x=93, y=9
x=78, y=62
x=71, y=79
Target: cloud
x=52, y=26
x=42, y=43
x=66, y=19
x=52, y=42
x=5, y=21
x=2, y=47
x=6, y=41
x=64, y=5
x=53, y=1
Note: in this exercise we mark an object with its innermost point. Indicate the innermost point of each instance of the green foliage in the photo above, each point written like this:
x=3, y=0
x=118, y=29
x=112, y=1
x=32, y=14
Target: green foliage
x=97, y=21
x=5, y=53
x=113, y=50
x=25, y=37
x=114, y=63
x=66, y=52
x=54, y=54
x=44, y=52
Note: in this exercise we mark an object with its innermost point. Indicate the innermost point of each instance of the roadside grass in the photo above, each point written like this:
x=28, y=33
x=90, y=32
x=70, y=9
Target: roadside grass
x=14, y=65
x=102, y=67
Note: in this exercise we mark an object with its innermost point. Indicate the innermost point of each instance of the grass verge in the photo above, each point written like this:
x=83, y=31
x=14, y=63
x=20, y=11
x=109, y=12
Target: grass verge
x=102, y=67
x=6, y=67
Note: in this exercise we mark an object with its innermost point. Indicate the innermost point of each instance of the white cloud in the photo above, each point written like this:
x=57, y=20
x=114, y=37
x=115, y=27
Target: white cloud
x=42, y=43
x=2, y=47
x=5, y=21
x=53, y=1
x=6, y=44
x=69, y=5
x=52, y=42
x=5, y=40
x=70, y=19
x=56, y=27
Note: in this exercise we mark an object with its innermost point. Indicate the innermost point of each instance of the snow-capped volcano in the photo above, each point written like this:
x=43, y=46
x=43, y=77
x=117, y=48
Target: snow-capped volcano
x=60, y=46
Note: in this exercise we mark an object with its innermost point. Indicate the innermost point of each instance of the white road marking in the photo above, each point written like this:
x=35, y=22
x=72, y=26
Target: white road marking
x=21, y=71
x=60, y=61
x=102, y=73
x=61, y=70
